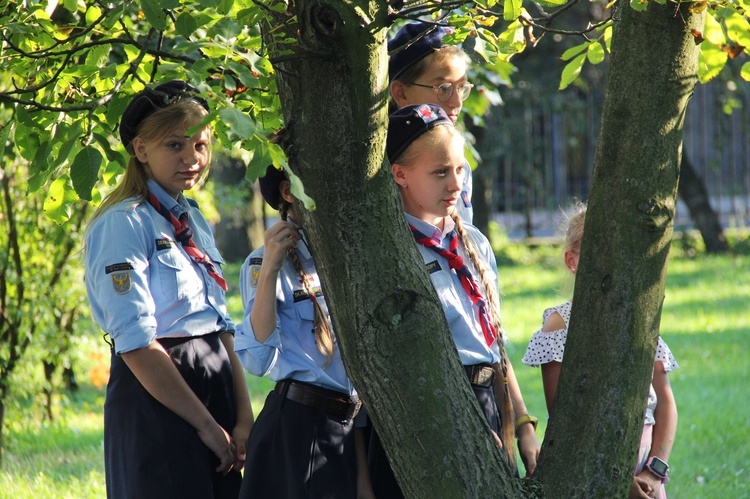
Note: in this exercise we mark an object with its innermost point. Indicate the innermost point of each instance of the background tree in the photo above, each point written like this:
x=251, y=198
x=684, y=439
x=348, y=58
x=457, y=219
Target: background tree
x=331, y=79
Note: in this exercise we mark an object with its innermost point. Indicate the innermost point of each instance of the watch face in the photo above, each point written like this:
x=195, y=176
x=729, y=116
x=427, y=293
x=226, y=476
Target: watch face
x=659, y=467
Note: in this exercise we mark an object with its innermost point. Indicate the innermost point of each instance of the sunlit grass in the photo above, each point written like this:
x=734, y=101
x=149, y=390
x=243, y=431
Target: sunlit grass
x=705, y=322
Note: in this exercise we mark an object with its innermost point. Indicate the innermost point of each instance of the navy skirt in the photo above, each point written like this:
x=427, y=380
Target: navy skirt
x=149, y=451
x=298, y=452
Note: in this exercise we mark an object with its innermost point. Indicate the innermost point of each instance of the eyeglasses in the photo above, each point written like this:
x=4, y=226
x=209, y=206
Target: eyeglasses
x=445, y=90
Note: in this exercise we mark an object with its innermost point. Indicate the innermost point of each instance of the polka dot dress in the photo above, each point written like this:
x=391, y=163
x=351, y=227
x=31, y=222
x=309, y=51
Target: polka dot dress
x=545, y=347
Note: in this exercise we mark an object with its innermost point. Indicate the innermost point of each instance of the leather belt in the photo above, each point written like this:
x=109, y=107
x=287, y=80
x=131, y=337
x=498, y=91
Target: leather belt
x=328, y=401
x=480, y=375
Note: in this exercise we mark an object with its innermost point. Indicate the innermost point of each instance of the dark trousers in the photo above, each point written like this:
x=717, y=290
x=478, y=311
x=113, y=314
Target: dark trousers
x=381, y=474
x=298, y=452
x=149, y=451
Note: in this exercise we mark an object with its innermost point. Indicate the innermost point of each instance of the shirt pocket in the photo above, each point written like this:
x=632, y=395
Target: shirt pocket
x=213, y=253
x=449, y=299
x=176, y=275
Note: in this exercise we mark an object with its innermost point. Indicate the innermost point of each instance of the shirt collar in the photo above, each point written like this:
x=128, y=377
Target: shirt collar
x=429, y=229
x=176, y=207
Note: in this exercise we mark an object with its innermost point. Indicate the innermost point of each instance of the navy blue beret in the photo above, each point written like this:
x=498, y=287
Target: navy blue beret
x=149, y=100
x=409, y=123
x=411, y=50
x=269, y=186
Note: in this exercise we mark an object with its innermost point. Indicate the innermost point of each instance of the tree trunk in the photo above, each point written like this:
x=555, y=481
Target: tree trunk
x=392, y=331
x=620, y=283
x=693, y=193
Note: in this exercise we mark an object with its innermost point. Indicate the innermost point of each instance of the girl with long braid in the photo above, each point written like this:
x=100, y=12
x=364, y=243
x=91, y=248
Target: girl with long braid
x=426, y=155
x=303, y=441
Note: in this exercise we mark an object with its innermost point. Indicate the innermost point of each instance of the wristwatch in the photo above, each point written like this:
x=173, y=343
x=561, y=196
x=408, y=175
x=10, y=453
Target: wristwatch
x=659, y=468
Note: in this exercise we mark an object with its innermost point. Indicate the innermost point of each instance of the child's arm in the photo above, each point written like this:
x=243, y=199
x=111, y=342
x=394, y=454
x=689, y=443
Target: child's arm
x=551, y=370
x=528, y=445
x=665, y=427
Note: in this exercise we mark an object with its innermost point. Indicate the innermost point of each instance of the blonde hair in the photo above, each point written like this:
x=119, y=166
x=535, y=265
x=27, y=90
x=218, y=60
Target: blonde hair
x=492, y=298
x=573, y=221
x=185, y=113
x=323, y=331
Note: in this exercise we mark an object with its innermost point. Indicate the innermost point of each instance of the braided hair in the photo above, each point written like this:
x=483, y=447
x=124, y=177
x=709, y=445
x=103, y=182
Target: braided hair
x=502, y=397
x=322, y=326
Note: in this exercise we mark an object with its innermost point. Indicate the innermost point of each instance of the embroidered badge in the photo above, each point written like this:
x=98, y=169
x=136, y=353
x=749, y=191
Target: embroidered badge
x=254, y=274
x=433, y=267
x=121, y=282
x=256, y=261
x=163, y=244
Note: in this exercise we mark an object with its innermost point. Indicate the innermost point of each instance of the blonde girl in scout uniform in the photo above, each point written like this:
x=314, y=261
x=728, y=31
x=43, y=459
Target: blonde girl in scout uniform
x=426, y=154
x=177, y=412
x=303, y=442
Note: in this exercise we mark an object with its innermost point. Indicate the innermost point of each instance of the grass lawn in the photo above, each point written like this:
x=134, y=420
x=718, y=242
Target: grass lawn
x=705, y=322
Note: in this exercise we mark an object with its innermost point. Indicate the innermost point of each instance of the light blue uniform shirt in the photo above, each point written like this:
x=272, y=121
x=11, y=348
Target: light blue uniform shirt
x=462, y=315
x=290, y=351
x=141, y=283
x=464, y=207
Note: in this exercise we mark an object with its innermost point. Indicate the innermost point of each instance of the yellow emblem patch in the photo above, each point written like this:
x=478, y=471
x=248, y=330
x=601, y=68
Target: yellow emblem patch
x=254, y=274
x=121, y=282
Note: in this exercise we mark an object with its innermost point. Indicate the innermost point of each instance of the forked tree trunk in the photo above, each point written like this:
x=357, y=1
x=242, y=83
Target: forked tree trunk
x=392, y=332
x=596, y=421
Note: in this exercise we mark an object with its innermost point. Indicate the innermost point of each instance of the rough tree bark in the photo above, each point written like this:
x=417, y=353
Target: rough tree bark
x=620, y=283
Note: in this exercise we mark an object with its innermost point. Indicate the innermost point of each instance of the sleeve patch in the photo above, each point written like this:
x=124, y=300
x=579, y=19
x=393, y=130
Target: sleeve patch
x=118, y=267
x=121, y=282
x=256, y=261
x=254, y=275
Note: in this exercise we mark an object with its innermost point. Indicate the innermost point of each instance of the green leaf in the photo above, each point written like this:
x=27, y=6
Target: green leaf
x=711, y=61
x=511, y=9
x=58, y=201
x=639, y=5
x=574, y=51
x=85, y=170
x=745, y=71
x=712, y=31
x=185, y=24
x=239, y=123
x=225, y=29
x=738, y=30
x=571, y=71
x=595, y=53
x=154, y=14
x=92, y=14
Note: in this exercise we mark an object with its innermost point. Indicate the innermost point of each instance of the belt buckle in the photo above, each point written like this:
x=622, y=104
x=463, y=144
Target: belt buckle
x=484, y=376
x=354, y=409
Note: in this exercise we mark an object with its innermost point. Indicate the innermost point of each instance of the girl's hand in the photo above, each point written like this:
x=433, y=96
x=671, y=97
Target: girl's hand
x=640, y=488
x=220, y=443
x=239, y=434
x=279, y=239
x=528, y=447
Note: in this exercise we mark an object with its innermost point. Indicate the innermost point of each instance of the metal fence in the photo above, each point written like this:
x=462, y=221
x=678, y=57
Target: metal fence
x=546, y=153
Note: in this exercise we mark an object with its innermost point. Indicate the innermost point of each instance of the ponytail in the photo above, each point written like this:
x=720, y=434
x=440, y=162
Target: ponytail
x=322, y=326
x=501, y=388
